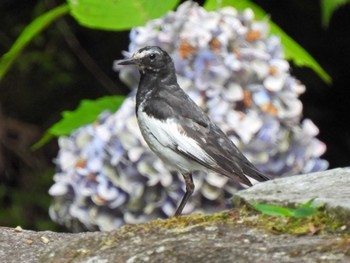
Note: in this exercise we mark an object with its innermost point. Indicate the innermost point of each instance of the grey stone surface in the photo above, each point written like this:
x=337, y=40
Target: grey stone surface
x=201, y=242
x=27, y=246
x=224, y=237
x=331, y=188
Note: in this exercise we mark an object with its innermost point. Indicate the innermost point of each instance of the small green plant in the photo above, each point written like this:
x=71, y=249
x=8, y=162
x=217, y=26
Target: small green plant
x=304, y=210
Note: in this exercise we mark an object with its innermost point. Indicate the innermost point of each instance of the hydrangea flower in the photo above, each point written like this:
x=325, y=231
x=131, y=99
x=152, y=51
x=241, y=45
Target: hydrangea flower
x=225, y=60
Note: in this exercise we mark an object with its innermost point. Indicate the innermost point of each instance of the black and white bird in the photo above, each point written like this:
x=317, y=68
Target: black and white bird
x=177, y=130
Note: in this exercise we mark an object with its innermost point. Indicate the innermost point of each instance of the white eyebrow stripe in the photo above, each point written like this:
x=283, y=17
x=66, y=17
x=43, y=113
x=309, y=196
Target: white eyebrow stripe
x=145, y=53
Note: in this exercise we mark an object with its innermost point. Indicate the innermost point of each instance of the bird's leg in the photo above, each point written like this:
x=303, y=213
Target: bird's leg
x=189, y=191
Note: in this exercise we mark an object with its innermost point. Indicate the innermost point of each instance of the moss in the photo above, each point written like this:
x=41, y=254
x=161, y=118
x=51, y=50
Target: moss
x=178, y=223
x=322, y=223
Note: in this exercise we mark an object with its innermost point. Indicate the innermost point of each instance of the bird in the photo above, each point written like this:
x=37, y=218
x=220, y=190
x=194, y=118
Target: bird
x=177, y=130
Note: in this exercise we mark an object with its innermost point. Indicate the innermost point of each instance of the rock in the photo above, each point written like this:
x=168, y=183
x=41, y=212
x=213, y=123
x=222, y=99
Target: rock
x=238, y=235
x=331, y=188
x=188, y=239
x=17, y=245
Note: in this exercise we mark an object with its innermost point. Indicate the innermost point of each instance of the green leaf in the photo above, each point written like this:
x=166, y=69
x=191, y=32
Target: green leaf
x=306, y=209
x=118, y=14
x=31, y=30
x=302, y=212
x=292, y=49
x=274, y=210
x=310, y=203
x=87, y=112
x=328, y=7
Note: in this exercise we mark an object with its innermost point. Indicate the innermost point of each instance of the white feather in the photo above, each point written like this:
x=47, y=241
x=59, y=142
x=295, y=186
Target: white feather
x=166, y=138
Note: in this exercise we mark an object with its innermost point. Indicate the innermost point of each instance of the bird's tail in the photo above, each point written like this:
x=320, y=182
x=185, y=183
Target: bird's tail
x=255, y=175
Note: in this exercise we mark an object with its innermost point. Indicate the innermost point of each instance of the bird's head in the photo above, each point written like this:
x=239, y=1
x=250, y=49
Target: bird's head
x=150, y=59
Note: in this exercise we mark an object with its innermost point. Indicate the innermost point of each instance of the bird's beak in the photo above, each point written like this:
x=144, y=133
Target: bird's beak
x=128, y=61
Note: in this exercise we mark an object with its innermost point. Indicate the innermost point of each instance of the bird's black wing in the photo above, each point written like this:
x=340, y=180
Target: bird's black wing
x=228, y=158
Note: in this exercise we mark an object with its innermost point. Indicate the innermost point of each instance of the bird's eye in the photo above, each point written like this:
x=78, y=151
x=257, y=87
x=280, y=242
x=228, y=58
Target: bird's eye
x=152, y=56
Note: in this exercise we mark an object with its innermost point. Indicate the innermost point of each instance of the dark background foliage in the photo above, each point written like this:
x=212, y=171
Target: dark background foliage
x=67, y=63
